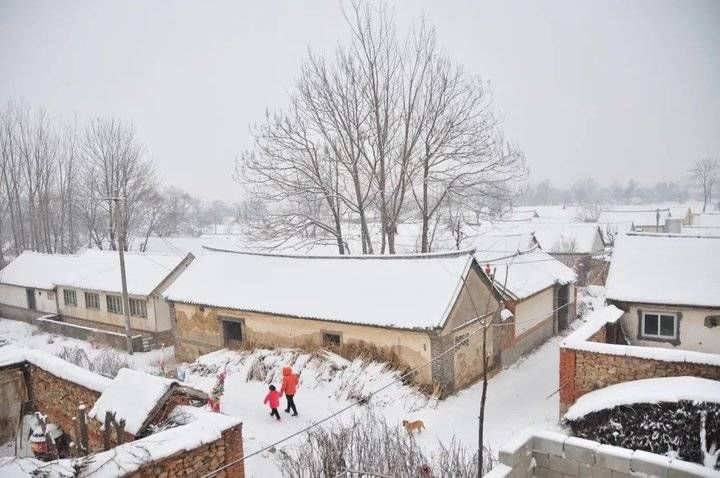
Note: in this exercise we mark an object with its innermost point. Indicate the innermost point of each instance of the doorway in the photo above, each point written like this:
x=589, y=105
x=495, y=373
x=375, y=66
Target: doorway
x=30, y=293
x=233, y=333
x=563, y=313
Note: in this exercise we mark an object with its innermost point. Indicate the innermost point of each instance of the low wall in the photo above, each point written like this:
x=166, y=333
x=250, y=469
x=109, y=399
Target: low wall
x=19, y=313
x=588, y=362
x=549, y=454
x=113, y=339
x=201, y=460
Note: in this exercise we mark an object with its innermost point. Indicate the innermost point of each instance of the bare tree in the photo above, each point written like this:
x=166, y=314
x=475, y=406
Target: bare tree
x=706, y=174
x=385, y=128
x=114, y=163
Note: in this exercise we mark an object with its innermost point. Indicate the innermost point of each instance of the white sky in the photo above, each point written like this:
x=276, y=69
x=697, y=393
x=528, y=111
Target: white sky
x=613, y=89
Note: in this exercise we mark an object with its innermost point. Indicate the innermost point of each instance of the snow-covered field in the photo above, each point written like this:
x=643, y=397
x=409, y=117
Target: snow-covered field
x=519, y=397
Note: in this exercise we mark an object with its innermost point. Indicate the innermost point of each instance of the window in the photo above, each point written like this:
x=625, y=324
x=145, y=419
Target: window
x=331, y=339
x=70, y=297
x=659, y=326
x=462, y=340
x=114, y=304
x=92, y=300
x=138, y=308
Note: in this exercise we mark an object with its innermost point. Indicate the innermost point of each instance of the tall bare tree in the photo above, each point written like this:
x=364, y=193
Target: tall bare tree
x=114, y=164
x=706, y=174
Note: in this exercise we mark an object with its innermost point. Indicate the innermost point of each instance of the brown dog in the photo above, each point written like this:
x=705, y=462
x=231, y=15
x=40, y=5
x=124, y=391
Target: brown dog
x=413, y=426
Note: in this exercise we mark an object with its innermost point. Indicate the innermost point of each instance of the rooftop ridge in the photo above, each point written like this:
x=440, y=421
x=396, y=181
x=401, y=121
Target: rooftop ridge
x=669, y=234
x=430, y=255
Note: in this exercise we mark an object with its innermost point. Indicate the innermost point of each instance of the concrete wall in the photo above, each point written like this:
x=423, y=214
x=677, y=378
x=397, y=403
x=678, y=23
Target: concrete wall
x=694, y=334
x=198, y=330
x=15, y=296
x=548, y=454
x=102, y=316
x=538, y=305
x=12, y=395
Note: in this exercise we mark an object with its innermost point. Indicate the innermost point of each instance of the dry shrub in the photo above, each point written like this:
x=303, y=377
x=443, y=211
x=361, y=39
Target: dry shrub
x=75, y=355
x=371, y=445
x=108, y=362
x=258, y=370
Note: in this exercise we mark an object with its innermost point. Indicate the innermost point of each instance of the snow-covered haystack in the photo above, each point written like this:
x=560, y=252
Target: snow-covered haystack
x=322, y=370
x=674, y=416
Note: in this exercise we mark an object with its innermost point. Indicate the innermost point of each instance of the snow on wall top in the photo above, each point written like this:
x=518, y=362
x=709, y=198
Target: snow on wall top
x=414, y=291
x=665, y=269
x=524, y=275
x=14, y=354
x=577, y=238
x=38, y=270
x=203, y=427
x=132, y=395
x=650, y=390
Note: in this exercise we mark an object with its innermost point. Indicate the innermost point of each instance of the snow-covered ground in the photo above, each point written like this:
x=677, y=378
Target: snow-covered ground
x=519, y=397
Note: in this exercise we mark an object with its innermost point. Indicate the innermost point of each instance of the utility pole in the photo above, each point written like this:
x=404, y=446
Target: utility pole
x=116, y=201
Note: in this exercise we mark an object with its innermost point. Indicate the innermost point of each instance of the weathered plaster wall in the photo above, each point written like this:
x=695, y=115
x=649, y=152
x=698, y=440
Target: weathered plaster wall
x=533, y=310
x=694, y=335
x=198, y=330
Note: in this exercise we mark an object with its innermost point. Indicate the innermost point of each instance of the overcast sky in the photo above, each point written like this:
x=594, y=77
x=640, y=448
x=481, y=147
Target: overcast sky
x=612, y=89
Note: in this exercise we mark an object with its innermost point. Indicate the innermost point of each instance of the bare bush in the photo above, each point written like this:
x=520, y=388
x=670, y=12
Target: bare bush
x=108, y=362
x=75, y=355
x=372, y=445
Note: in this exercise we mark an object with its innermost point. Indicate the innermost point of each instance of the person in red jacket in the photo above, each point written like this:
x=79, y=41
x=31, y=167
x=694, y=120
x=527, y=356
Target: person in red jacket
x=289, y=387
x=273, y=399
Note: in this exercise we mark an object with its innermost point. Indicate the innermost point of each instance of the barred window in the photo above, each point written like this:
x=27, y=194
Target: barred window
x=92, y=300
x=138, y=308
x=114, y=304
x=70, y=297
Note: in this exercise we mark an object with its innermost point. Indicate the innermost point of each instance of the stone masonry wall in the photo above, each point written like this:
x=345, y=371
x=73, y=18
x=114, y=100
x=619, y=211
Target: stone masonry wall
x=582, y=372
x=201, y=460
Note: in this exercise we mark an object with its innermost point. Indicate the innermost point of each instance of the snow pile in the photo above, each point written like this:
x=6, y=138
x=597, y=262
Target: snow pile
x=523, y=275
x=14, y=354
x=132, y=395
x=415, y=291
x=665, y=269
x=593, y=322
x=651, y=390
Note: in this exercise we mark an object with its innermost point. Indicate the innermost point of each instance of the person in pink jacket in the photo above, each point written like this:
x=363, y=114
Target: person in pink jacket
x=273, y=399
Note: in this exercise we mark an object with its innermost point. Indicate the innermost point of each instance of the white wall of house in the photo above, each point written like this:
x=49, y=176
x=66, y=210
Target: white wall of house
x=161, y=311
x=101, y=315
x=694, y=334
x=16, y=296
x=532, y=309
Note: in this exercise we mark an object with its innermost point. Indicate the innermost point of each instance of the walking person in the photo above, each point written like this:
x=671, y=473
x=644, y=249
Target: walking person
x=273, y=400
x=289, y=387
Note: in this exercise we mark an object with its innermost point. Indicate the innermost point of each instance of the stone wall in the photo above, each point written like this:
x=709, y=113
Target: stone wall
x=201, y=460
x=583, y=371
x=549, y=454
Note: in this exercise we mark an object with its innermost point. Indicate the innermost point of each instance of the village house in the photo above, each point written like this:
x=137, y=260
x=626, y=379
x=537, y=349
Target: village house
x=85, y=290
x=414, y=307
x=668, y=287
x=538, y=289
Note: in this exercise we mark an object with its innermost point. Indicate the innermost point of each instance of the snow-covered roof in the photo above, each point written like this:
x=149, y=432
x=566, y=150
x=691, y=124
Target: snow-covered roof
x=651, y=390
x=645, y=216
x=575, y=238
x=665, y=269
x=706, y=220
x=522, y=276
x=132, y=395
x=92, y=269
x=405, y=291
x=38, y=270
x=14, y=354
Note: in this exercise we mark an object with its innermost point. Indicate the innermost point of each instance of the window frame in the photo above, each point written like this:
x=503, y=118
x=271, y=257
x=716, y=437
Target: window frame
x=659, y=336
x=70, y=293
x=96, y=301
x=143, y=306
x=108, y=298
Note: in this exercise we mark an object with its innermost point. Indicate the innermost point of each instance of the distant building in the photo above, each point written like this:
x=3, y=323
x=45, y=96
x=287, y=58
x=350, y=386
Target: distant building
x=669, y=289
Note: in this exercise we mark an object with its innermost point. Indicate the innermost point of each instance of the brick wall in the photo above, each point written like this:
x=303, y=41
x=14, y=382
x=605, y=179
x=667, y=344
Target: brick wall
x=202, y=460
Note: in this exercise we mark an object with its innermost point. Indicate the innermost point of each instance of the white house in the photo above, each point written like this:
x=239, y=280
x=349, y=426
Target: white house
x=86, y=290
x=669, y=288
